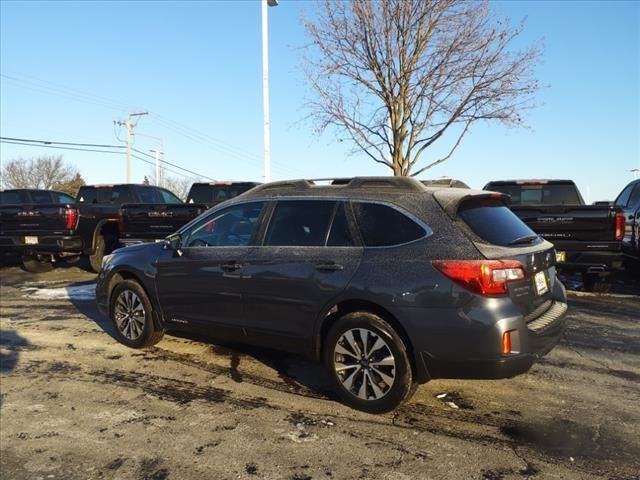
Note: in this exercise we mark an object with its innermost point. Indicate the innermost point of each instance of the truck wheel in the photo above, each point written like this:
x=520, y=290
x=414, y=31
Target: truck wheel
x=95, y=259
x=595, y=283
x=132, y=317
x=368, y=363
x=34, y=264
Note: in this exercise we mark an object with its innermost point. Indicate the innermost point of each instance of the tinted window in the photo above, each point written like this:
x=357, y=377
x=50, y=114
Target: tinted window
x=634, y=201
x=382, y=225
x=233, y=226
x=41, y=196
x=149, y=195
x=121, y=194
x=168, y=197
x=215, y=193
x=340, y=234
x=496, y=224
x=95, y=194
x=543, y=194
x=63, y=198
x=10, y=198
x=300, y=223
x=623, y=198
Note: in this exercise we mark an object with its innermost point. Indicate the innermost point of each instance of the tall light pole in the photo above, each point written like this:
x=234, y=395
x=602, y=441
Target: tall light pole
x=265, y=87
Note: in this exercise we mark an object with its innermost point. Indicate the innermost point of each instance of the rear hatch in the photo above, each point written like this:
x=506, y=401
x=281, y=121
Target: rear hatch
x=500, y=236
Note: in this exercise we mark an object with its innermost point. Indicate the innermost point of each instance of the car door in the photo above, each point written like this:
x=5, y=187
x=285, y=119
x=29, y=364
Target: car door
x=308, y=255
x=203, y=286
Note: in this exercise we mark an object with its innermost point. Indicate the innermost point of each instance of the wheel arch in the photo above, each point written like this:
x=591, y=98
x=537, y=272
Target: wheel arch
x=124, y=274
x=344, y=307
x=104, y=226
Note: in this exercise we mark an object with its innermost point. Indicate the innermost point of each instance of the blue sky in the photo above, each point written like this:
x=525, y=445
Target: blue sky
x=70, y=68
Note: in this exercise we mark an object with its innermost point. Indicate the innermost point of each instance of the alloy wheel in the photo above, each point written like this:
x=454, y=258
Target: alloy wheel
x=364, y=364
x=129, y=314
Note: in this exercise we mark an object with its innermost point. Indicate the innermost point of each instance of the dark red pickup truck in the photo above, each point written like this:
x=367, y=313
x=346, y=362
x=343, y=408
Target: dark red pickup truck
x=588, y=238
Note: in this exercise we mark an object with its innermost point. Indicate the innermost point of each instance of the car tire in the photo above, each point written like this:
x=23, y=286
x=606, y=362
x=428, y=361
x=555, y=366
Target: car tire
x=34, y=264
x=95, y=259
x=132, y=316
x=595, y=283
x=376, y=379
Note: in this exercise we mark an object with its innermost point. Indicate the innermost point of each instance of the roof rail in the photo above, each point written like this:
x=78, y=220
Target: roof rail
x=395, y=183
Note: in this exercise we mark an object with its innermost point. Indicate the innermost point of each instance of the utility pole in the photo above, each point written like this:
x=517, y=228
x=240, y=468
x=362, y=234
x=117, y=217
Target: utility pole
x=265, y=87
x=157, y=154
x=130, y=126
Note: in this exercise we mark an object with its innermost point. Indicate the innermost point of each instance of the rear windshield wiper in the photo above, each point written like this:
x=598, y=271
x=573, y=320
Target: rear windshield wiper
x=525, y=239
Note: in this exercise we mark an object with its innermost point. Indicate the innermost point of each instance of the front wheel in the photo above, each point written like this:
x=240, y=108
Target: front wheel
x=34, y=264
x=368, y=363
x=130, y=311
x=596, y=283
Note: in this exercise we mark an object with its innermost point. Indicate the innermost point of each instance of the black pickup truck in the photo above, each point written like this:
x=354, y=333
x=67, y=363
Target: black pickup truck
x=213, y=193
x=88, y=226
x=588, y=238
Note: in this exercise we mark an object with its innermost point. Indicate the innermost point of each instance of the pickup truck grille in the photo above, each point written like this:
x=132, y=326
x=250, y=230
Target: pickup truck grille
x=544, y=315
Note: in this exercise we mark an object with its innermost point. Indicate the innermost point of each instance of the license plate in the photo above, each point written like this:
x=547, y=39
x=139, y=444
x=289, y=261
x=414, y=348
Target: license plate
x=540, y=280
x=561, y=256
x=31, y=240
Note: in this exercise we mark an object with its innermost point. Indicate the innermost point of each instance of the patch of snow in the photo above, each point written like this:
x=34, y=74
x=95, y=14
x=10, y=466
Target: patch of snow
x=72, y=292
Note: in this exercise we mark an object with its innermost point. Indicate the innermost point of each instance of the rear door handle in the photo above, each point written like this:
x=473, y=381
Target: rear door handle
x=231, y=267
x=329, y=267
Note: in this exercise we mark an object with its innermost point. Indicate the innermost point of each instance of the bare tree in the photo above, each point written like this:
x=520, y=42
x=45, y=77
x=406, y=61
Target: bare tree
x=398, y=75
x=178, y=185
x=46, y=172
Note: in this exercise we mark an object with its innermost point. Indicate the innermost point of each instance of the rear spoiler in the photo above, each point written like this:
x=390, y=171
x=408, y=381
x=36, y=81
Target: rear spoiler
x=450, y=199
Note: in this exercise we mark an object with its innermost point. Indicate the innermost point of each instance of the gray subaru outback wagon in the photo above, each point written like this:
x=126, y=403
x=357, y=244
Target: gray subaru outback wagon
x=389, y=282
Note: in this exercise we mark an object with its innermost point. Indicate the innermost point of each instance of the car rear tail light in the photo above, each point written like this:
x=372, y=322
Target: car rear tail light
x=620, y=226
x=120, y=220
x=484, y=277
x=506, y=343
x=70, y=218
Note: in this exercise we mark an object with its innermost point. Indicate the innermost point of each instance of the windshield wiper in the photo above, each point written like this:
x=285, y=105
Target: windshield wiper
x=525, y=239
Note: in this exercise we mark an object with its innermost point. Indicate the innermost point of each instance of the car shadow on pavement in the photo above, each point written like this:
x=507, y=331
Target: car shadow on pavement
x=11, y=344
x=296, y=374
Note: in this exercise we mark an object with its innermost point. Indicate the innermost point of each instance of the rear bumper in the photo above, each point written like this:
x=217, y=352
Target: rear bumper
x=46, y=244
x=590, y=262
x=468, y=345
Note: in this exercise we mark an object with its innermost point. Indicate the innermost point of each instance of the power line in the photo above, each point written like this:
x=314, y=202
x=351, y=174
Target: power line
x=51, y=142
x=43, y=145
x=173, y=165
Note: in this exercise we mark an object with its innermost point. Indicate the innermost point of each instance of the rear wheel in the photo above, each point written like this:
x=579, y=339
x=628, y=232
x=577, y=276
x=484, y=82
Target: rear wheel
x=95, y=259
x=131, y=313
x=368, y=363
x=35, y=264
x=596, y=283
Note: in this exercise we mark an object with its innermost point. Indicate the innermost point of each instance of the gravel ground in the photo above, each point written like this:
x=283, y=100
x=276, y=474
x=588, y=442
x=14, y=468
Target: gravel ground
x=75, y=404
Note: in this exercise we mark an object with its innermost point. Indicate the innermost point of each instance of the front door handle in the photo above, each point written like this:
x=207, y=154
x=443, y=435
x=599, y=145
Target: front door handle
x=329, y=267
x=231, y=267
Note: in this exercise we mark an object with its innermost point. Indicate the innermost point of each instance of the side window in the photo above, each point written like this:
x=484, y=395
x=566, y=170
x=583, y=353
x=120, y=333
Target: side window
x=233, y=226
x=634, y=201
x=300, y=223
x=168, y=197
x=63, y=198
x=623, y=198
x=340, y=234
x=383, y=226
x=11, y=198
x=87, y=195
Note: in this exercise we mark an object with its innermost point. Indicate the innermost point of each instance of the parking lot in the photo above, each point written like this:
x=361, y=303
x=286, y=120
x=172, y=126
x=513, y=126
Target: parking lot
x=76, y=404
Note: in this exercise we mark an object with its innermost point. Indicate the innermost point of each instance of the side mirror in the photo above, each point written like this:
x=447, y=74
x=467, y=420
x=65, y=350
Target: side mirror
x=174, y=242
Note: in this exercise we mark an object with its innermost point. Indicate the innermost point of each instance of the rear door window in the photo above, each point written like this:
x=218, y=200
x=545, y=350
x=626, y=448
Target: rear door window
x=63, y=198
x=493, y=222
x=300, y=223
x=382, y=225
x=634, y=201
x=121, y=194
